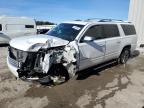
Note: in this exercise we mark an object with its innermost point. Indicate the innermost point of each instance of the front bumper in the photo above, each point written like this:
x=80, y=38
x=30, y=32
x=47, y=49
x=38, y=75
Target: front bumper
x=15, y=55
x=13, y=69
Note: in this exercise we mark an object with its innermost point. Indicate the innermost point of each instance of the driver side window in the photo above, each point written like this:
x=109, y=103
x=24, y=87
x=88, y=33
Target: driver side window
x=95, y=32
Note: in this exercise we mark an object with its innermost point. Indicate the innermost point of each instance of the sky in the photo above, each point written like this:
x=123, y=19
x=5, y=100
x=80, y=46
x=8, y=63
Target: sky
x=64, y=10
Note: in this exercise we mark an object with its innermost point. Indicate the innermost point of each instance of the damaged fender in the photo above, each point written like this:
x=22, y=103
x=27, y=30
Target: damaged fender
x=67, y=57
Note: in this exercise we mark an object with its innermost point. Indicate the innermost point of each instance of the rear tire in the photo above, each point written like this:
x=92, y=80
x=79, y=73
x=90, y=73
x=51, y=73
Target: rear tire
x=124, y=56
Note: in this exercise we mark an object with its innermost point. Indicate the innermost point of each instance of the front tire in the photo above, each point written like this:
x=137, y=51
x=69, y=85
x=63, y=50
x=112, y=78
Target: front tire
x=59, y=74
x=124, y=56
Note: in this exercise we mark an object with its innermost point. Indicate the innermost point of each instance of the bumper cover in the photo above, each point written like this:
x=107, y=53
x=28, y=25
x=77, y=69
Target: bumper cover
x=12, y=68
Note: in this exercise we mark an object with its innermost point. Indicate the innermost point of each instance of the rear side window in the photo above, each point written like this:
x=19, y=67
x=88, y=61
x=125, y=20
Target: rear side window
x=128, y=29
x=29, y=26
x=0, y=27
x=111, y=30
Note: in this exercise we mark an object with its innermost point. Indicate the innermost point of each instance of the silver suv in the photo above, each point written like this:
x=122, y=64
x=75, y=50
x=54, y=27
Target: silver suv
x=71, y=47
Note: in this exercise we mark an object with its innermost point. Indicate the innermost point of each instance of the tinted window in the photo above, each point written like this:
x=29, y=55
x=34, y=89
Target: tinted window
x=128, y=29
x=111, y=30
x=66, y=31
x=29, y=26
x=0, y=27
x=96, y=32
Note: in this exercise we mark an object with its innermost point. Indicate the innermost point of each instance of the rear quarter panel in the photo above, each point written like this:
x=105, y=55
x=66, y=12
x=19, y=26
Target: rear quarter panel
x=128, y=40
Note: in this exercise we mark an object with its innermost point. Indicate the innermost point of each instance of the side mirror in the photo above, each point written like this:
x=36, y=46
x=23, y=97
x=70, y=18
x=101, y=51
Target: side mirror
x=88, y=39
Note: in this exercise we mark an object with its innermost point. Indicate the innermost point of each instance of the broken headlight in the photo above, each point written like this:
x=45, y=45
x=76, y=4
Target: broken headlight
x=21, y=56
x=17, y=55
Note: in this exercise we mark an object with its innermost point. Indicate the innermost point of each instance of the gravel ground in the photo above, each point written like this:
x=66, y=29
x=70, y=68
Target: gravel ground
x=115, y=86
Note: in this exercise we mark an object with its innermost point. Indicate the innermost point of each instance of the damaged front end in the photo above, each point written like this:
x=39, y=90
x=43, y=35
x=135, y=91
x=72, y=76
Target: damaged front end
x=55, y=64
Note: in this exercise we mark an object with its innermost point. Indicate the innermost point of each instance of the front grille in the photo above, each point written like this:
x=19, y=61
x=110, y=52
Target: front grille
x=13, y=62
x=18, y=56
x=27, y=63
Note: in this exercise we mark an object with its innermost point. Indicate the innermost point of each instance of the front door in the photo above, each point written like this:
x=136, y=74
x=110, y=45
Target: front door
x=92, y=47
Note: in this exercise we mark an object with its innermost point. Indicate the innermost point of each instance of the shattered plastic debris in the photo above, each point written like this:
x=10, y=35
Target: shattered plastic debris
x=58, y=80
x=68, y=55
x=46, y=63
x=70, y=58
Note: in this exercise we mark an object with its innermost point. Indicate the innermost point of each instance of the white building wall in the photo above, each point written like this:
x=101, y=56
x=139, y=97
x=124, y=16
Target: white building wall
x=136, y=16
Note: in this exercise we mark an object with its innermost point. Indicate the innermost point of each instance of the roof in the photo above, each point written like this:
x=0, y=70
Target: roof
x=77, y=22
x=10, y=17
x=98, y=22
x=16, y=20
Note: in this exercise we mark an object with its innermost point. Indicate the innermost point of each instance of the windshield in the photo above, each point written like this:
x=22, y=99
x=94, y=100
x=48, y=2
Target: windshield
x=66, y=31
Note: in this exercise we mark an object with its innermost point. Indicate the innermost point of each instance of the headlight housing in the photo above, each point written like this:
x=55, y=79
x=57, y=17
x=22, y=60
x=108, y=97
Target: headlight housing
x=17, y=55
x=21, y=56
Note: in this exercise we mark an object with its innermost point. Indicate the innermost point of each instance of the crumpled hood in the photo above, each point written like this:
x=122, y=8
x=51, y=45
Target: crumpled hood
x=26, y=42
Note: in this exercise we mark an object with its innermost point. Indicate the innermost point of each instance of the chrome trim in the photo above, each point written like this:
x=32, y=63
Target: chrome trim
x=13, y=62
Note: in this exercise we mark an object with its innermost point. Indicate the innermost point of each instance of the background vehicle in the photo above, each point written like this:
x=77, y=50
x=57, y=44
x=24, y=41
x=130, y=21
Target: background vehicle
x=11, y=27
x=42, y=29
x=71, y=47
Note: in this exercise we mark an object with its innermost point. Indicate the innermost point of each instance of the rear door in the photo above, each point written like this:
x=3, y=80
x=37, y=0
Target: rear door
x=113, y=41
x=92, y=52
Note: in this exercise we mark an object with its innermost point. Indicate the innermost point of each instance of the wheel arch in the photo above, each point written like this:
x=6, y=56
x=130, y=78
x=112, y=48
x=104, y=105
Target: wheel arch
x=61, y=66
x=126, y=46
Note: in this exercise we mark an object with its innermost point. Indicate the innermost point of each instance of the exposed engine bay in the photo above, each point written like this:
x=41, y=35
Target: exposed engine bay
x=54, y=64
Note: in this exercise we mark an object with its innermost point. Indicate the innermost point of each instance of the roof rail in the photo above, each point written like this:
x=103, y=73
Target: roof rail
x=106, y=20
